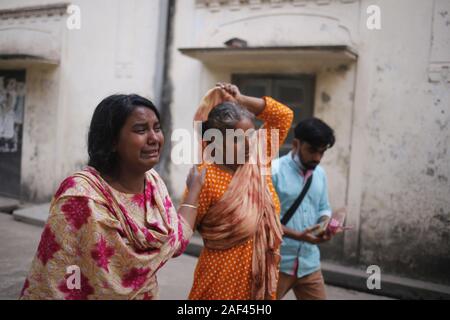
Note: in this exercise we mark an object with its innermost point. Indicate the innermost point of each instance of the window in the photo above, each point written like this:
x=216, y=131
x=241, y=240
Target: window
x=296, y=91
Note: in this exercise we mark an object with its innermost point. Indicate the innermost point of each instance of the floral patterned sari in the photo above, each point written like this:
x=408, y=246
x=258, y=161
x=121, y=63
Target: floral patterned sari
x=99, y=243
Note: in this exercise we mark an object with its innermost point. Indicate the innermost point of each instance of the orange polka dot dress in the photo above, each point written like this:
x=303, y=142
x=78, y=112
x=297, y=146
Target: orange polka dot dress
x=227, y=274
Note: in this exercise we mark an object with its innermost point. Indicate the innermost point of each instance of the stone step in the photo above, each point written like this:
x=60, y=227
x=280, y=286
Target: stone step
x=356, y=279
x=334, y=274
x=33, y=214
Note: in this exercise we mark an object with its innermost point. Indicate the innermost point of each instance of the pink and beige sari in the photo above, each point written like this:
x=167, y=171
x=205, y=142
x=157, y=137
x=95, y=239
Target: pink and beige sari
x=99, y=243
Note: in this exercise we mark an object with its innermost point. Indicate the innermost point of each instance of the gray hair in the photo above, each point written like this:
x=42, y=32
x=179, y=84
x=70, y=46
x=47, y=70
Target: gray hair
x=225, y=116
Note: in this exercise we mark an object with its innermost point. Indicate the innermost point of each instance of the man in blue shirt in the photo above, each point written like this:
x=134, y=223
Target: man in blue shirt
x=300, y=256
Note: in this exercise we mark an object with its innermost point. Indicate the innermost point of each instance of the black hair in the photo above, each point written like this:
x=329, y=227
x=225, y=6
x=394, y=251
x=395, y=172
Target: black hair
x=225, y=116
x=108, y=119
x=315, y=132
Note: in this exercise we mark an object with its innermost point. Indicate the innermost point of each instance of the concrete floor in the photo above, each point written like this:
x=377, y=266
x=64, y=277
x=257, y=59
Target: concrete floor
x=20, y=240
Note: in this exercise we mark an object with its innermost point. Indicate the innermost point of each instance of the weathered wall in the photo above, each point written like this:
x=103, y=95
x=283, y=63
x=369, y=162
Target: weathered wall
x=115, y=51
x=405, y=200
x=389, y=108
x=277, y=24
x=38, y=35
x=39, y=158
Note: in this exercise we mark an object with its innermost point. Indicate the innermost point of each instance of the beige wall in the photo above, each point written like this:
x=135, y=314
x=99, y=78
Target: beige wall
x=390, y=164
x=405, y=187
x=389, y=107
x=114, y=52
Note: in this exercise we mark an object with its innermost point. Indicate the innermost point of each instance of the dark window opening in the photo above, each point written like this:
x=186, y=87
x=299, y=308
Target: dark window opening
x=295, y=91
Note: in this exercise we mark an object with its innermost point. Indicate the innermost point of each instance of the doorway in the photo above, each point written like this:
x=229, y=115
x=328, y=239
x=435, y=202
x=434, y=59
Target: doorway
x=12, y=104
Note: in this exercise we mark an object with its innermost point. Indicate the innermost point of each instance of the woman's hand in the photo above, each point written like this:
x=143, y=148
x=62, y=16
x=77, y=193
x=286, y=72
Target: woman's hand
x=194, y=182
x=231, y=93
x=195, y=179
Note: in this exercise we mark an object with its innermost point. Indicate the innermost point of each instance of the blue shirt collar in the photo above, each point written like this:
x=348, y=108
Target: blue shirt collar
x=297, y=166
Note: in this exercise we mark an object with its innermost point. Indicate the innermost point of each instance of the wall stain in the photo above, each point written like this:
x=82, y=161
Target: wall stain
x=343, y=68
x=325, y=97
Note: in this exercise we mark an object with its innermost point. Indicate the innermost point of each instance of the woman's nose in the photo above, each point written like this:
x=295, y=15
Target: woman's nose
x=152, y=136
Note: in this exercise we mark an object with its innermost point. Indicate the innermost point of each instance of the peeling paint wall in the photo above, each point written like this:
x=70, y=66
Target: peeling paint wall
x=334, y=104
x=281, y=24
x=115, y=51
x=390, y=110
x=405, y=206
x=39, y=139
x=389, y=107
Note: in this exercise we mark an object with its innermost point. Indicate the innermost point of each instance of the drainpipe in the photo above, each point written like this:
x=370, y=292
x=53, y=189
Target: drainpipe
x=163, y=84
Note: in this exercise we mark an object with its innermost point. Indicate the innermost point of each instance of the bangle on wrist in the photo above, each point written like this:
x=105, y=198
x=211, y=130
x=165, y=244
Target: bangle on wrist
x=189, y=206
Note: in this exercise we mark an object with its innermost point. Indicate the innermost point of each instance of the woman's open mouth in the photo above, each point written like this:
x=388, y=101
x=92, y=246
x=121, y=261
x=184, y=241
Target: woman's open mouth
x=150, y=153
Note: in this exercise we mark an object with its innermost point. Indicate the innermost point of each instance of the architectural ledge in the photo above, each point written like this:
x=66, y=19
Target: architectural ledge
x=217, y=5
x=57, y=9
x=32, y=35
x=233, y=57
x=25, y=60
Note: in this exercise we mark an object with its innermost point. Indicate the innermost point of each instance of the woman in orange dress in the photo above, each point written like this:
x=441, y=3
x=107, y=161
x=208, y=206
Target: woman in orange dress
x=238, y=213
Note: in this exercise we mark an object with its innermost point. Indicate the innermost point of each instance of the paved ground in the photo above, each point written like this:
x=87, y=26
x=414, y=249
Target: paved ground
x=18, y=243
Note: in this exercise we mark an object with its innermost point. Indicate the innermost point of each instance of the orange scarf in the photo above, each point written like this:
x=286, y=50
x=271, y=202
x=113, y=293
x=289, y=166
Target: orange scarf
x=245, y=211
